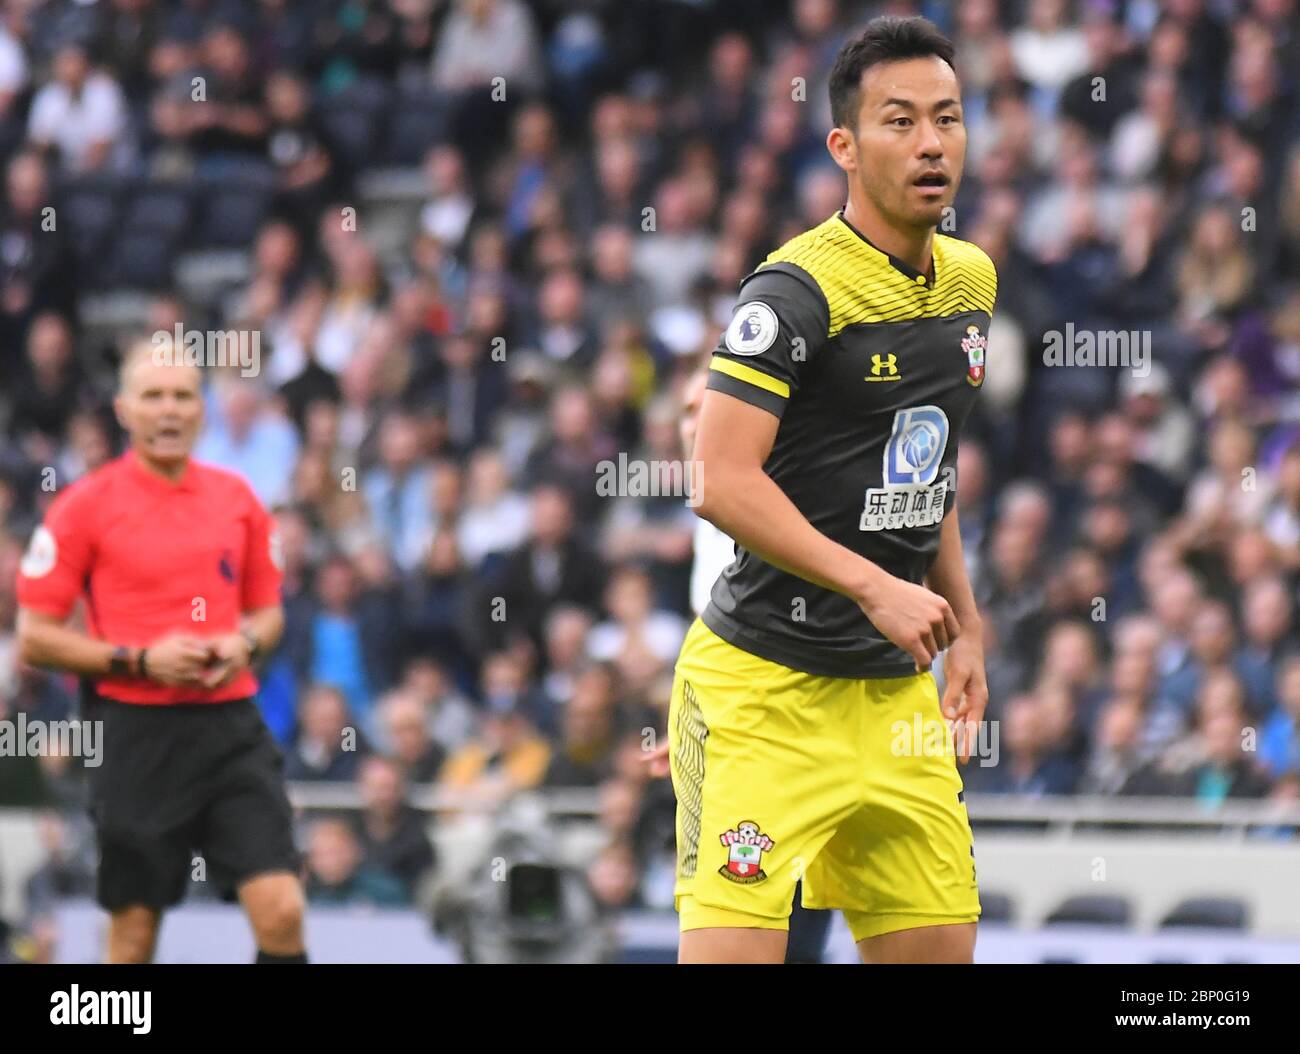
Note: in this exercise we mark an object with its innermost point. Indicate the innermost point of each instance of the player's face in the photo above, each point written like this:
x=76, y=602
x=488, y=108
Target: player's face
x=910, y=142
x=692, y=397
x=161, y=408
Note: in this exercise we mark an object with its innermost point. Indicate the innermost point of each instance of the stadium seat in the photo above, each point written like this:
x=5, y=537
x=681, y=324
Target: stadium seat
x=160, y=208
x=353, y=122
x=141, y=260
x=419, y=122
x=1091, y=910
x=232, y=214
x=87, y=212
x=1217, y=913
x=996, y=907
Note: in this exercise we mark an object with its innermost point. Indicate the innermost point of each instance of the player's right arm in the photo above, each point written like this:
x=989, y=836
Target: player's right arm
x=44, y=640
x=51, y=577
x=753, y=375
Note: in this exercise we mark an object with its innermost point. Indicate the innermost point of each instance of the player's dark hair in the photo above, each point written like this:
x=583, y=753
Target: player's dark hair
x=888, y=38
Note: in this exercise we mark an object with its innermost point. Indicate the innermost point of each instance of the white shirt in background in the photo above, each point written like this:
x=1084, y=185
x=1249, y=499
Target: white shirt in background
x=713, y=552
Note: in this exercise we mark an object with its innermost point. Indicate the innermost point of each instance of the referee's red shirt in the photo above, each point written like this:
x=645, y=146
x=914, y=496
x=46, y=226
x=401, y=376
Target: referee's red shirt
x=154, y=558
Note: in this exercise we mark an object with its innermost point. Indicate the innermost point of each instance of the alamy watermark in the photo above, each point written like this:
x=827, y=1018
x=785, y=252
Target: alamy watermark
x=219, y=348
x=931, y=738
x=28, y=738
x=637, y=478
x=1114, y=348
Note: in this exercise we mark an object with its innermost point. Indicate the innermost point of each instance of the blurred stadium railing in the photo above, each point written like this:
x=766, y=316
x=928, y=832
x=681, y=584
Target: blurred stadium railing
x=1134, y=865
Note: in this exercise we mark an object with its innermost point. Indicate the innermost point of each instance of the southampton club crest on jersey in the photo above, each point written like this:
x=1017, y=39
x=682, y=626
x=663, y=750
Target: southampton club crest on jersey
x=746, y=846
x=974, y=344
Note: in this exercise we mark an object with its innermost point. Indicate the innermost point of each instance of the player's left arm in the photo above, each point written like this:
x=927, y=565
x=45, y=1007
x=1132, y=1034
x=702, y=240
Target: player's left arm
x=263, y=613
x=966, y=691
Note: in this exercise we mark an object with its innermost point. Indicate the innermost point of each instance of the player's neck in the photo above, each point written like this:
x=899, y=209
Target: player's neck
x=914, y=246
x=170, y=470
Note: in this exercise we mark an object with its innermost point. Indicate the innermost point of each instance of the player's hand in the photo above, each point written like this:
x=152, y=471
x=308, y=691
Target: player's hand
x=917, y=620
x=656, y=761
x=228, y=656
x=965, y=692
x=177, y=659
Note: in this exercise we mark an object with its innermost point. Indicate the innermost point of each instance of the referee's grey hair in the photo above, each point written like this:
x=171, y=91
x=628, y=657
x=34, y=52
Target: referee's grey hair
x=158, y=349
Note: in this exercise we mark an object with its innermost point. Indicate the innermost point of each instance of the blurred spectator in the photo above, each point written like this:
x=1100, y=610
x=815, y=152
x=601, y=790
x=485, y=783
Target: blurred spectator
x=495, y=518
x=506, y=757
x=1116, y=755
x=50, y=388
x=247, y=435
x=392, y=834
x=338, y=873
x=553, y=567
x=1048, y=51
x=1279, y=739
x=405, y=720
x=328, y=746
x=398, y=490
x=613, y=877
x=452, y=718
x=1227, y=772
x=66, y=871
x=639, y=640
x=1030, y=761
x=483, y=39
x=34, y=257
x=80, y=114
x=586, y=748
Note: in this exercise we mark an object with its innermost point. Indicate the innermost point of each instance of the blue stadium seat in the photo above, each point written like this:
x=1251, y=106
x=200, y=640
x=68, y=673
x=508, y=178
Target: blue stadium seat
x=232, y=214
x=353, y=122
x=996, y=907
x=141, y=260
x=161, y=208
x=1217, y=913
x=87, y=213
x=419, y=122
x=1091, y=910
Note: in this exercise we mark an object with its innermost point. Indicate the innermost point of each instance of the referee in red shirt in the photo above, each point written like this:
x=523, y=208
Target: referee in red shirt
x=179, y=568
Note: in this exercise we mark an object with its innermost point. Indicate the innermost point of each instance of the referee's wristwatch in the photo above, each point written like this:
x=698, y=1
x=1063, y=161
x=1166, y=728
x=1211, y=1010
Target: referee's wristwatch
x=119, y=664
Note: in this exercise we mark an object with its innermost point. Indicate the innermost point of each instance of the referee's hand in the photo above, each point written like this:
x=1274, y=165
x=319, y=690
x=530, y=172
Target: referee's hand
x=177, y=659
x=227, y=656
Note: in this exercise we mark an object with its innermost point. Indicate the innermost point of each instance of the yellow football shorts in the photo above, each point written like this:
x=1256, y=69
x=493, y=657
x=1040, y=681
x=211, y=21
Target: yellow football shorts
x=848, y=784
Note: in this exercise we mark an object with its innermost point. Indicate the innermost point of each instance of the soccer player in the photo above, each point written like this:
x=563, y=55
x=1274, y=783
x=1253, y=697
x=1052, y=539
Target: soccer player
x=827, y=445
x=178, y=564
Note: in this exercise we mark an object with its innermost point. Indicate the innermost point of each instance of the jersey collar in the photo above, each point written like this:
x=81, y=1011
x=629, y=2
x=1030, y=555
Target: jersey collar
x=156, y=482
x=898, y=265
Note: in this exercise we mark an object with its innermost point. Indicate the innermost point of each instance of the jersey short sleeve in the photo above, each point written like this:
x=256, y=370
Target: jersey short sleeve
x=263, y=561
x=57, y=563
x=780, y=322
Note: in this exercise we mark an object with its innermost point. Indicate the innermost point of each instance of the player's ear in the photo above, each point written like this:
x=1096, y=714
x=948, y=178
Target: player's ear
x=119, y=411
x=839, y=142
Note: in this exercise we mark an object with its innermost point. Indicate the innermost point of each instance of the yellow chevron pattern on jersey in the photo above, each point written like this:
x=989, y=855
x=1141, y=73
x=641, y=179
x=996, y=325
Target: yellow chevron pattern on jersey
x=861, y=285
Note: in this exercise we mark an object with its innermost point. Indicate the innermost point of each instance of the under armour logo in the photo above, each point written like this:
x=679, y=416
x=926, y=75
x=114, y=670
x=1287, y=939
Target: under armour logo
x=884, y=368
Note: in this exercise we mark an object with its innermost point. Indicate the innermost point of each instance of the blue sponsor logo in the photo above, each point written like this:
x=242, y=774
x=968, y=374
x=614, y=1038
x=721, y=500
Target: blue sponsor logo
x=916, y=445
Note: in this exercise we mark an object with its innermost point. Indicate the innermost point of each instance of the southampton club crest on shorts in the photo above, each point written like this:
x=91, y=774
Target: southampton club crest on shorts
x=746, y=846
x=974, y=344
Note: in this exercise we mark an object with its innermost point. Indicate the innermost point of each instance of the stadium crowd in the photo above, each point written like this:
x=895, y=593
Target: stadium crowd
x=466, y=607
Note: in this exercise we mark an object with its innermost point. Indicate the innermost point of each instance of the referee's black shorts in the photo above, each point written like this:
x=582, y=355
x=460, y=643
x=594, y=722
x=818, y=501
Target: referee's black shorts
x=182, y=780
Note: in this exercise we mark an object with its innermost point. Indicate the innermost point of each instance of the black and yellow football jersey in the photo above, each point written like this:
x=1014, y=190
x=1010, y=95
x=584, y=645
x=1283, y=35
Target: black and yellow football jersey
x=871, y=367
